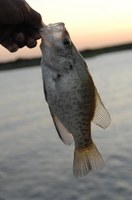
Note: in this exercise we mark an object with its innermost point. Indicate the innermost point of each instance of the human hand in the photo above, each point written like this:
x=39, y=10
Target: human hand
x=19, y=25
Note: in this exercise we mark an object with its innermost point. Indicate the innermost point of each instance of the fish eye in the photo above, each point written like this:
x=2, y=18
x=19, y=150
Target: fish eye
x=66, y=42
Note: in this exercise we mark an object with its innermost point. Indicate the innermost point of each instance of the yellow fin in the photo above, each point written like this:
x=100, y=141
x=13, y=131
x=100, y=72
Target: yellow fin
x=86, y=159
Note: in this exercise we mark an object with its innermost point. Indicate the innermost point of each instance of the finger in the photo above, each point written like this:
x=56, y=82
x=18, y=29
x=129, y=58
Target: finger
x=10, y=44
x=31, y=36
x=34, y=33
x=34, y=19
x=31, y=42
x=20, y=39
x=26, y=37
x=5, y=32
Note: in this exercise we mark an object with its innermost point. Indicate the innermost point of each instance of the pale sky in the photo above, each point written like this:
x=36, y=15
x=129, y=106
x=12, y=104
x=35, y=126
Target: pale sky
x=91, y=23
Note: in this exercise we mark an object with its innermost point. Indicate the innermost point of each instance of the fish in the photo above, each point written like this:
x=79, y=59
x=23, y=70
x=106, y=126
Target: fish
x=72, y=97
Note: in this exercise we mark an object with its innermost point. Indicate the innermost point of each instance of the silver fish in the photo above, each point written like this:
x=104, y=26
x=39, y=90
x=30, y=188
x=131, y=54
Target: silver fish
x=72, y=97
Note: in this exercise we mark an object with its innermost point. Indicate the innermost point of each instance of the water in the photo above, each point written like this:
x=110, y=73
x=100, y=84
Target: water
x=35, y=164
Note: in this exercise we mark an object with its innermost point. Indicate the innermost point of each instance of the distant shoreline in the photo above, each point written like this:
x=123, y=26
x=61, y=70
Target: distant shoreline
x=22, y=63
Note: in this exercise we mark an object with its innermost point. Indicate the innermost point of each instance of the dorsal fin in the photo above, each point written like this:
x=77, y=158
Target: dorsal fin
x=101, y=116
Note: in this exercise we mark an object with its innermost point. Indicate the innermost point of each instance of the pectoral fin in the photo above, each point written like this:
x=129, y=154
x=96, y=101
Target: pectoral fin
x=101, y=115
x=44, y=89
x=63, y=133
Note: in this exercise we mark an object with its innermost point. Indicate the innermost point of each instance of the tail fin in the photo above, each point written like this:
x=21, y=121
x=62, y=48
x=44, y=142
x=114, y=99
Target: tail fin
x=86, y=159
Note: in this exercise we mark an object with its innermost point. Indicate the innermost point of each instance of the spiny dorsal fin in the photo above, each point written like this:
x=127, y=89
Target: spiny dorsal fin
x=63, y=133
x=101, y=116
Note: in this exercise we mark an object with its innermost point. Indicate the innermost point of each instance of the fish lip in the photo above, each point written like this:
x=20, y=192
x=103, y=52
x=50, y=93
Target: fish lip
x=59, y=26
x=55, y=29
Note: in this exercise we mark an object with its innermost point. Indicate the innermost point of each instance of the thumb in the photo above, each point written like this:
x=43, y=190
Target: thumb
x=33, y=18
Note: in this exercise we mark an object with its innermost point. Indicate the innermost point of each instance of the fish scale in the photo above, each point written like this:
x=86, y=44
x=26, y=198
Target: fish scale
x=72, y=97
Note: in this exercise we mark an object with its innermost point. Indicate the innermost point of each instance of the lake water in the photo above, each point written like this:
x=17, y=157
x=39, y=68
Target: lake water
x=35, y=164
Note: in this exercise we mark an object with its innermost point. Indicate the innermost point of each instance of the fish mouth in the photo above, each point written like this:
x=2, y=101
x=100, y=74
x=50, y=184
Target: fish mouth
x=56, y=30
x=56, y=26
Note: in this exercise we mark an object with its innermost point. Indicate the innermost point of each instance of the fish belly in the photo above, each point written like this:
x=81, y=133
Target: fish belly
x=73, y=103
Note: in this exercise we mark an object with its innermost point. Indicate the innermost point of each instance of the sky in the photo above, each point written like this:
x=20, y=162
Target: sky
x=91, y=23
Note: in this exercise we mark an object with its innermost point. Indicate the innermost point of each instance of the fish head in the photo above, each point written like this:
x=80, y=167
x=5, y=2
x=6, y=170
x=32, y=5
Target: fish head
x=56, y=45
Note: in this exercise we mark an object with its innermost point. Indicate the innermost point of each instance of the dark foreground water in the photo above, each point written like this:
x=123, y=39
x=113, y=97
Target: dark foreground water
x=35, y=164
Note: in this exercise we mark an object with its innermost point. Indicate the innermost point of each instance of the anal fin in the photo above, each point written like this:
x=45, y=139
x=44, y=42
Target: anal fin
x=101, y=116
